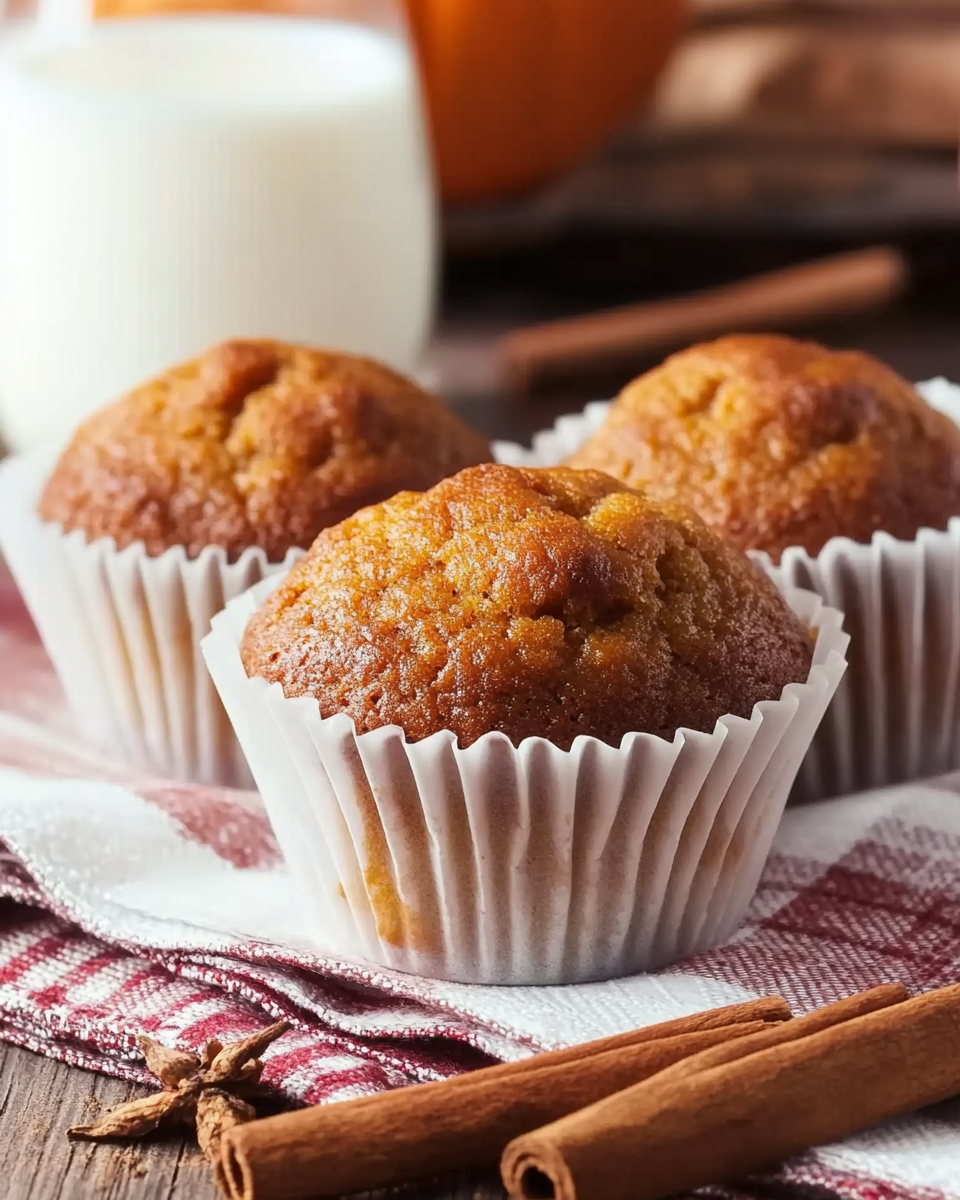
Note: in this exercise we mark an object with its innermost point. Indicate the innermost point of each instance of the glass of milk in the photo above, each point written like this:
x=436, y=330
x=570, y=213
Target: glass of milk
x=166, y=183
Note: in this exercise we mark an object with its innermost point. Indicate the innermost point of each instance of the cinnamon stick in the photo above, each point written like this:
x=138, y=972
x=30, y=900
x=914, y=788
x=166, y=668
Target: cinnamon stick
x=461, y=1123
x=740, y=1108
x=775, y=302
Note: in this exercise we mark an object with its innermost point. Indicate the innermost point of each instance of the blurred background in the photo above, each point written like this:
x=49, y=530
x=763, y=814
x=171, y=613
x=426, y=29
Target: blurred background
x=592, y=154
x=779, y=131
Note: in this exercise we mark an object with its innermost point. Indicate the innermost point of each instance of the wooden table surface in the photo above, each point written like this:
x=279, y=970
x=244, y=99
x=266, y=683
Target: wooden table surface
x=40, y=1098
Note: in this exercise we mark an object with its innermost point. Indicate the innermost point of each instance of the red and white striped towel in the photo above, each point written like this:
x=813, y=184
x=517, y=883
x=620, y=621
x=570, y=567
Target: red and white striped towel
x=132, y=904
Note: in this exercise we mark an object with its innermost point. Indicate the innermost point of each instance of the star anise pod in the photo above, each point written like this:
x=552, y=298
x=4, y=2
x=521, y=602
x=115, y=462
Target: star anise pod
x=211, y=1092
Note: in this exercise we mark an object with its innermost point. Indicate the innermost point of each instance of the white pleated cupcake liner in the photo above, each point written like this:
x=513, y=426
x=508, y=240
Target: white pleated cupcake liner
x=551, y=446
x=123, y=630
x=897, y=714
x=498, y=864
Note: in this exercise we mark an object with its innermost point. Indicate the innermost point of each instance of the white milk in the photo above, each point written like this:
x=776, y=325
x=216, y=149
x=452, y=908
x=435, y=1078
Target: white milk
x=168, y=183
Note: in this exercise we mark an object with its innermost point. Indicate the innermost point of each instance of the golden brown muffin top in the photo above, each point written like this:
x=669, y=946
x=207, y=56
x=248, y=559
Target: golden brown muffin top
x=780, y=443
x=255, y=443
x=545, y=603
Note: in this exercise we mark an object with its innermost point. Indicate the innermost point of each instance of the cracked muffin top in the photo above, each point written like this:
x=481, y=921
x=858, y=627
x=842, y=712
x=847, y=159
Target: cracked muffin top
x=256, y=443
x=544, y=603
x=780, y=443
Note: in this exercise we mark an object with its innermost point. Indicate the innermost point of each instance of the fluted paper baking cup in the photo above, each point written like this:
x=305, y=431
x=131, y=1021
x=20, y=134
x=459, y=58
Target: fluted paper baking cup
x=123, y=630
x=551, y=446
x=522, y=865
x=897, y=713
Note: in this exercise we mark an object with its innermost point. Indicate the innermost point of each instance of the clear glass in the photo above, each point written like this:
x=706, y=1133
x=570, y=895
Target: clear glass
x=167, y=182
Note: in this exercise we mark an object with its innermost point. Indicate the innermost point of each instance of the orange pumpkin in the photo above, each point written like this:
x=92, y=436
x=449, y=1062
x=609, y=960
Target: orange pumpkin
x=519, y=89
x=516, y=89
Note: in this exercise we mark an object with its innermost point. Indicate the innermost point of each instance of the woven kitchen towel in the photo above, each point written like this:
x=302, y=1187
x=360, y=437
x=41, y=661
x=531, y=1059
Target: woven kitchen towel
x=132, y=904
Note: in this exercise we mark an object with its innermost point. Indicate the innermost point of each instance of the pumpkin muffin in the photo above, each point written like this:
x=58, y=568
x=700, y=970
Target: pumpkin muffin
x=779, y=443
x=175, y=499
x=548, y=603
x=254, y=444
